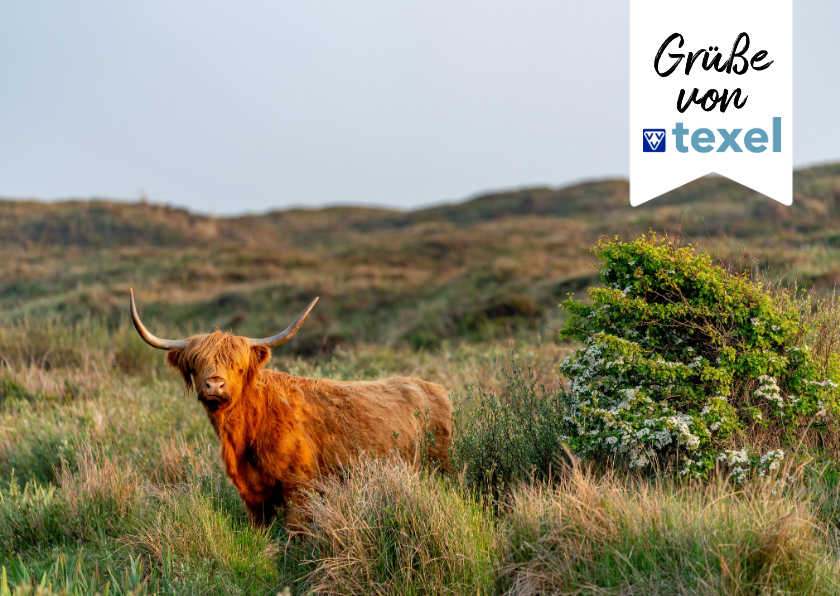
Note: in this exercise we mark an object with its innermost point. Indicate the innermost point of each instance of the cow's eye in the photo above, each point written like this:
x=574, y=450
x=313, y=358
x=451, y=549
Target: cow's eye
x=241, y=370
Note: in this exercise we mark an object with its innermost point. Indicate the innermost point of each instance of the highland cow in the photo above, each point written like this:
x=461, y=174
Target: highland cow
x=280, y=432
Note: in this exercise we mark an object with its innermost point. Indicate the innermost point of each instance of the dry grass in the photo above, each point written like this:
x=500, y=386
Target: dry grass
x=64, y=384
x=603, y=535
x=179, y=460
x=823, y=329
x=386, y=529
x=100, y=490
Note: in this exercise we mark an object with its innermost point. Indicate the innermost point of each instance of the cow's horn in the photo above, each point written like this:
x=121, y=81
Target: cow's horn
x=155, y=342
x=281, y=338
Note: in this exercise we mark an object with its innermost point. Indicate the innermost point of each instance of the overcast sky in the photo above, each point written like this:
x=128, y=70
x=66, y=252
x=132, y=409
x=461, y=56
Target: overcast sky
x=229, y=107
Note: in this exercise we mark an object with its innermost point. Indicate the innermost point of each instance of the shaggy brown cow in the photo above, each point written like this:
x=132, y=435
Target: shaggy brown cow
x=279, y=432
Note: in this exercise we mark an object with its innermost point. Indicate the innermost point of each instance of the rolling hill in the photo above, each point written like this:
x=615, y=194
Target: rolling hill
x=493, y=266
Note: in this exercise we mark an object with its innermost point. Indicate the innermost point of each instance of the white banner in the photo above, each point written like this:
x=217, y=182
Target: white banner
x=711, y=91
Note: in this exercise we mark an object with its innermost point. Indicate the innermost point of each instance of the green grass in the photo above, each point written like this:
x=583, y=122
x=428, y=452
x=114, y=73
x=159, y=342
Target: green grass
x=135, y=497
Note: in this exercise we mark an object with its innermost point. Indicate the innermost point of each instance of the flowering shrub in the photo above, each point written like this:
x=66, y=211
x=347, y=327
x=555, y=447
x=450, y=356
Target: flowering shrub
x=683, y=361
x=742, y=463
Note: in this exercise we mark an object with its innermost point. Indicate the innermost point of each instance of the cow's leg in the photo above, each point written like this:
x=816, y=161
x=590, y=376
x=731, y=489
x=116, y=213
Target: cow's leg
x=294, y=498
x=261, y=514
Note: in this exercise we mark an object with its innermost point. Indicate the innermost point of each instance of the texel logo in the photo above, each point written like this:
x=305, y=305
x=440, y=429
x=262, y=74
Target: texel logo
x=718, y=77
x=653, y=140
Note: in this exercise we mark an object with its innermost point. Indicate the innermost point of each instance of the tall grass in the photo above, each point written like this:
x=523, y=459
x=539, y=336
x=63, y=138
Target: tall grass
x=117, y=481
x=608, y=535
x=93, y=501
x=386, y=529
x=208, y=542
x=88, y=345
x=66, y=577
x=190, y=532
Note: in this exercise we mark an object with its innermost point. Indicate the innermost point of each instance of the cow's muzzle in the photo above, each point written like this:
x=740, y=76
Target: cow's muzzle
x=213, y=402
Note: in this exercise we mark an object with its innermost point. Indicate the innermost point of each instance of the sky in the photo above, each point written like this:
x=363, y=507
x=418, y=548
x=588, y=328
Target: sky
x=233, y=107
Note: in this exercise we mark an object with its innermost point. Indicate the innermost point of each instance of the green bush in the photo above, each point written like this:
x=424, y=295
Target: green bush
x=685, y=362
x=501, y=440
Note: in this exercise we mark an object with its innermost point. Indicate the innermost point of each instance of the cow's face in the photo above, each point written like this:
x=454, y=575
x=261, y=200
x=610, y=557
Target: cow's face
x=219, y=366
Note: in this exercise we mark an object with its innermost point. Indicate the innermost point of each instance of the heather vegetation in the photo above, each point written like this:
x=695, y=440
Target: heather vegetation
x=669, y=431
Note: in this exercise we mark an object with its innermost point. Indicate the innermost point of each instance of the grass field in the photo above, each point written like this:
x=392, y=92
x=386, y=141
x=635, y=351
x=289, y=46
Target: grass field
x=109, y=471
x=115, y=477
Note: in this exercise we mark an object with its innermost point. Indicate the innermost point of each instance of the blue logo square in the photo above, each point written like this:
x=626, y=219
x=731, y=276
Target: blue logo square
x=653, y=140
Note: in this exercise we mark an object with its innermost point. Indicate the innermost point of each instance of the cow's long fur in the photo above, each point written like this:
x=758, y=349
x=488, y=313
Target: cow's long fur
x=279, y=432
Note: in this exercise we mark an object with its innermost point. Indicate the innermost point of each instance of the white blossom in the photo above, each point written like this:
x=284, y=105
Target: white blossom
x=769, y=390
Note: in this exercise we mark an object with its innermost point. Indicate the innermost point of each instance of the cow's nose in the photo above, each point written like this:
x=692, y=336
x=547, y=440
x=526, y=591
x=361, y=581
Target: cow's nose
x=214, y=386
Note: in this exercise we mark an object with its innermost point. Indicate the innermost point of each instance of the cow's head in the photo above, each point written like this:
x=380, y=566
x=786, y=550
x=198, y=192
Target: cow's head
x=218, y=365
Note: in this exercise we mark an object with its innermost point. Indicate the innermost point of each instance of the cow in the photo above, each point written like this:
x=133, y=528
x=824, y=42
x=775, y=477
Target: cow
x=279, y=433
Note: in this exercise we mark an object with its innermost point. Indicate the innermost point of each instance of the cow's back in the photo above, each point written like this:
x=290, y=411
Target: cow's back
x=346, y=419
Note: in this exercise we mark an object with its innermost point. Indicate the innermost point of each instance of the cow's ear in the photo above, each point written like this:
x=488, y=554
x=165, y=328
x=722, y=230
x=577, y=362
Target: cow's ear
x=259, y=356
x=175, y=358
